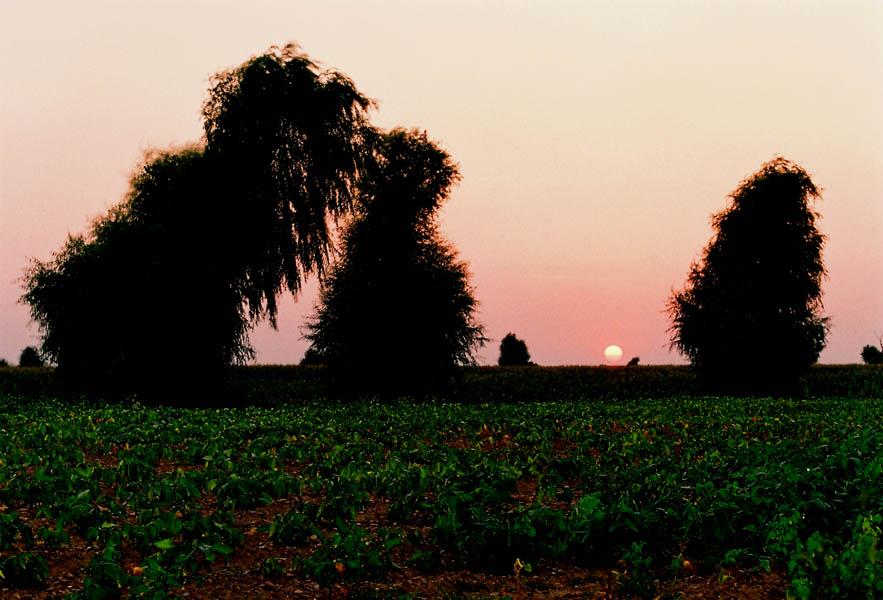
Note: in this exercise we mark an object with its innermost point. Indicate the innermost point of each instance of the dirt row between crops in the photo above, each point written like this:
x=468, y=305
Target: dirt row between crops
x=241, y=576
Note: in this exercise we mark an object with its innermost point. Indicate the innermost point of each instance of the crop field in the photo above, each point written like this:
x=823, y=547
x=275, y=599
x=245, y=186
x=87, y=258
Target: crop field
x=674, y=497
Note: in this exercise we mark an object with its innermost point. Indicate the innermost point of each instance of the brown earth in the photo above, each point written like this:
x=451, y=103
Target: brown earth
x=241, y=576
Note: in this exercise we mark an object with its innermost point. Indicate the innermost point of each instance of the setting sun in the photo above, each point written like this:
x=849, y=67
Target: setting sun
x=613, y=353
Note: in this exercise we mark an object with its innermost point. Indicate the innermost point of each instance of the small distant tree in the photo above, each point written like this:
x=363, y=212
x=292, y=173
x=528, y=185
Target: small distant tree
x=30, y=357
x=758, y=285
x=513, y=352
x=872, y=355
x=634, y=362
x=4, y=362
x=398, y=297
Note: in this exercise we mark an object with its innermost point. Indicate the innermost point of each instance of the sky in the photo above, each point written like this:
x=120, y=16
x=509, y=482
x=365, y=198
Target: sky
x=594, y=139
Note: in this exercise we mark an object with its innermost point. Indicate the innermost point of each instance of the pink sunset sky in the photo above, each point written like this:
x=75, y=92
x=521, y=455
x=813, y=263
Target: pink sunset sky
x=595, y=139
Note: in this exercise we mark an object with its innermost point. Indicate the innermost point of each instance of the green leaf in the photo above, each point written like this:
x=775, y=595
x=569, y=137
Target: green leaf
x=222, y=549
x=166, y=544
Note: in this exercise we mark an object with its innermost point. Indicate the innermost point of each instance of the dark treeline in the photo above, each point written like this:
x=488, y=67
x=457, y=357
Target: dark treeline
x=272, y=385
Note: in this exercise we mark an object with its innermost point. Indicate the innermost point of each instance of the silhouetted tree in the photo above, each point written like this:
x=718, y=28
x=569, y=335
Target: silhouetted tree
x=4, y=362
x=398, y=297
x=118, y=303
x=513, y=352
x=30, y=357
x=209, y=236
x=757, y=287
x=872, y=355
x=287, y=141
x=634, y=362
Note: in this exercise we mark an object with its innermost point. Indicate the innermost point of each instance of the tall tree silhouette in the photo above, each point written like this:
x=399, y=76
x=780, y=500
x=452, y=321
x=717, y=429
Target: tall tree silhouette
x=757, y=287
x=288, y=141
x=398, y=296
x=209, y=236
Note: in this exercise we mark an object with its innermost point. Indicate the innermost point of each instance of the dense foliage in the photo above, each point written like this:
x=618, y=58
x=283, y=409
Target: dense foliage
x=513, y=352
x=398, y=295
x=208, y=236
x=156, y=500
x=758, y=285
x=112, y=301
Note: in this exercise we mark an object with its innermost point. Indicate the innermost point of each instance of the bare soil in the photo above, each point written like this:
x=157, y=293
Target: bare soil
x=241, y=576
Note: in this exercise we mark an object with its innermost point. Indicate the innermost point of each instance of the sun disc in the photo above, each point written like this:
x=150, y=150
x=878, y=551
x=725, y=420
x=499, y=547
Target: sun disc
x=613, y=353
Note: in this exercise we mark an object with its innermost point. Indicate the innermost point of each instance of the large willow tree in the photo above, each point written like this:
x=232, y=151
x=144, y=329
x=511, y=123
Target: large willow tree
x=286, y=143
x=208, y=237
x=749, y=317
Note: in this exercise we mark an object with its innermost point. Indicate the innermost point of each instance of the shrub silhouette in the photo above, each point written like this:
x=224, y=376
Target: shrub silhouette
x=871, y=355
x=513, y=352
x=30, y=357
x=758, y=282
x=398, y=296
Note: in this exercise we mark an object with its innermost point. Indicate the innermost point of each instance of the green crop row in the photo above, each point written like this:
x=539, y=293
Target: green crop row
x=640, y=486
